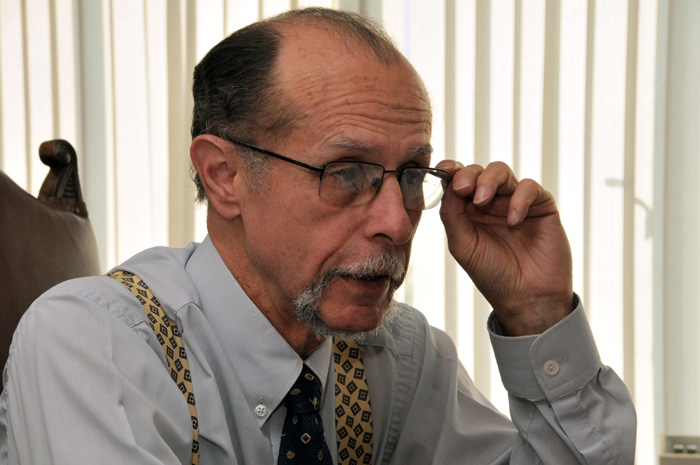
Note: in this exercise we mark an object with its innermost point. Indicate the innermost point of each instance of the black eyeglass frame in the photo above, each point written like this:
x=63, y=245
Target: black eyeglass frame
x=437, y=172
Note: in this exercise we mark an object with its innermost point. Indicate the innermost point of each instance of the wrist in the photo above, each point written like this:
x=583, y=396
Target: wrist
x=534, y=316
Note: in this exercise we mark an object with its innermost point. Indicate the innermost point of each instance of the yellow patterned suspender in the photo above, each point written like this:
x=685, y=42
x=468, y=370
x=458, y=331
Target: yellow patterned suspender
x=353, y=413
x=170, y=341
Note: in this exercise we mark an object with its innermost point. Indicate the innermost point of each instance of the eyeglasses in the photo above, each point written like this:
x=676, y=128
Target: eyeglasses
x=347, y=183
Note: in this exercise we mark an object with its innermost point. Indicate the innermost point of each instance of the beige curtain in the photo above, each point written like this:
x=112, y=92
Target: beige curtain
x=597, y=100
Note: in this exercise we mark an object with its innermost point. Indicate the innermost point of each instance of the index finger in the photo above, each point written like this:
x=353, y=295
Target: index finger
x=464, y=178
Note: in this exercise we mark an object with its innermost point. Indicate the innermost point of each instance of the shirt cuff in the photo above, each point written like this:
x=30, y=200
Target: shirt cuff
x=550, y=365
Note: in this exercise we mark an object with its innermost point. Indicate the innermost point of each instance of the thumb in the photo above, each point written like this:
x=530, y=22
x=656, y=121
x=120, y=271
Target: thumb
x=459, y=227
x=453, y=209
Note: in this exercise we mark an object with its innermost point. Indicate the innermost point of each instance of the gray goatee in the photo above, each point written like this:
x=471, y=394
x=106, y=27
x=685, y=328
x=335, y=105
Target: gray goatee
x=385, y=264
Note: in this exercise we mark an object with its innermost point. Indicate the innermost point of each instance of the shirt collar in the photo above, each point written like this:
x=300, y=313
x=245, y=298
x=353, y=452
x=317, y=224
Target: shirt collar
x=265, y=365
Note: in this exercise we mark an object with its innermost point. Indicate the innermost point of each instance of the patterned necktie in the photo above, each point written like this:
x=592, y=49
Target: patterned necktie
x=353, y=414
x=303, y=440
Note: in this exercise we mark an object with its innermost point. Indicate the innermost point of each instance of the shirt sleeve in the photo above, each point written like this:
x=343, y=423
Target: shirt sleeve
x=567, y=406
x=74, y=387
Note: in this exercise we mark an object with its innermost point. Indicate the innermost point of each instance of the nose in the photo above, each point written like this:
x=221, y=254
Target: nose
x=388, y=218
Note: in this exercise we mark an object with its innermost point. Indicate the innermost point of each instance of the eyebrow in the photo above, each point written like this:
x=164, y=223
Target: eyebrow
x=425, y=150
x=418, y=151
x=344, y=145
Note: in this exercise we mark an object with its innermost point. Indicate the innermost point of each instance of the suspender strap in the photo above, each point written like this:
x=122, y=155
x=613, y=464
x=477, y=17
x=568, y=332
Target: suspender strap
x=353, y=412
x=171, y=342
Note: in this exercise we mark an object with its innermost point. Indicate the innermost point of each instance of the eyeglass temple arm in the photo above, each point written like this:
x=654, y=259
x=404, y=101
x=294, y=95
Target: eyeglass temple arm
x=276, y=155
x=442, y=174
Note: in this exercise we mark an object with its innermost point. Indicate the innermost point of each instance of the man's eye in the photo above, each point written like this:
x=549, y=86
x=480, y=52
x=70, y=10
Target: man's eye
x=413, y=177
x=350, y=178
x=346, y=174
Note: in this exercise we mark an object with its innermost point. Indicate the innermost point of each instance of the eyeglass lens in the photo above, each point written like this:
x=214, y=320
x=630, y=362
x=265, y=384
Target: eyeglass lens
x=352, y=183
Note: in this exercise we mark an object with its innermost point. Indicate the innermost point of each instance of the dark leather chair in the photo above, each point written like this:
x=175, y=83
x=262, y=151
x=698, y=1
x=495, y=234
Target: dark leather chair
x=43, y=241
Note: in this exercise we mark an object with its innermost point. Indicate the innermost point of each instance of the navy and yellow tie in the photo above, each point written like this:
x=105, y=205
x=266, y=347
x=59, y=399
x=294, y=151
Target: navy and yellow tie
x=303, y=440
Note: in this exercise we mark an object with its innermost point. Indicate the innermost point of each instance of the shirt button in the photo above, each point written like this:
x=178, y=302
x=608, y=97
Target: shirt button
x=551, y=367
x=261, y=410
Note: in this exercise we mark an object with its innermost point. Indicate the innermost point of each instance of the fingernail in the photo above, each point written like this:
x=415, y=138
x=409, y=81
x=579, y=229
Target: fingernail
x=512, y=217
x=480, y=195
x=460, y=184
x=447, y=164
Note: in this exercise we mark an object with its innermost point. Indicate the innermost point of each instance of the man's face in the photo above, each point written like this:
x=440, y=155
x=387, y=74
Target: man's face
x=355, y=256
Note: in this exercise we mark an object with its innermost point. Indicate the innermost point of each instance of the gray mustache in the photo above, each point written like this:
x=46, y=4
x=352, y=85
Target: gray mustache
x=387, y=263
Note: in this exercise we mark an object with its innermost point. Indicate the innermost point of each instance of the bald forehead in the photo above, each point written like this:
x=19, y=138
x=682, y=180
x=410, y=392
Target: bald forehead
x=314, y=54
x=357, y=33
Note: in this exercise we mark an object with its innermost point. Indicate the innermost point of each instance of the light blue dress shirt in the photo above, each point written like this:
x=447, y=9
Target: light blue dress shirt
x=86, y=382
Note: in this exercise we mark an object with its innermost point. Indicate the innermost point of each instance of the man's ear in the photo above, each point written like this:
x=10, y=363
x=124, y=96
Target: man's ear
x=219, y=170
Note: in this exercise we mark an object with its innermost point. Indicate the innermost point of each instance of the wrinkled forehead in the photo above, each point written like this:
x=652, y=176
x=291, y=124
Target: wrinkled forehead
x=316, y=65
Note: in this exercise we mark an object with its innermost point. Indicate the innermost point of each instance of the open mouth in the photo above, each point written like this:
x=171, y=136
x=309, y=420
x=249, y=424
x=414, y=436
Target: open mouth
x=368, y=282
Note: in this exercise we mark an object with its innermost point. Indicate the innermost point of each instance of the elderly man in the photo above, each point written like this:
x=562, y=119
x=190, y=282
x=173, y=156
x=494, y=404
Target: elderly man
x=311, y=145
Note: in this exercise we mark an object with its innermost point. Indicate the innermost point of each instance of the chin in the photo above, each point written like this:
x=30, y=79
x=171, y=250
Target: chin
x=358, y=328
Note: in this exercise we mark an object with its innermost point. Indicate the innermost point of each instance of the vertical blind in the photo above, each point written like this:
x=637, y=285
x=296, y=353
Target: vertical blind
x=597, y=100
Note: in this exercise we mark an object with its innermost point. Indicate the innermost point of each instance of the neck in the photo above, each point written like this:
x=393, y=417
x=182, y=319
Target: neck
x=278, y=311
x=305, y=348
